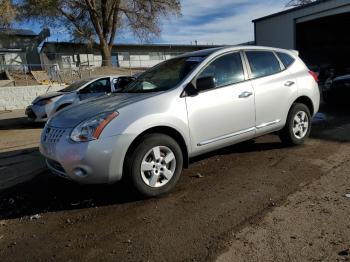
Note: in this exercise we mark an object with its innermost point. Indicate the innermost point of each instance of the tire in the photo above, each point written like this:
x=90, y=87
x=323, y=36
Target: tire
x=162, y=160
x=295, y=133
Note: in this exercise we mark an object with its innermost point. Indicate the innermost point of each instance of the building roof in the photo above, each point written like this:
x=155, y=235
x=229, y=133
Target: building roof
x=17, y=32
x=291, y=10
x=129, y=45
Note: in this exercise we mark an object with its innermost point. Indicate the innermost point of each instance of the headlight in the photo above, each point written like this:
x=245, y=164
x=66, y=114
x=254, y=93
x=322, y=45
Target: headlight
x=43, y=102
x=92, y=128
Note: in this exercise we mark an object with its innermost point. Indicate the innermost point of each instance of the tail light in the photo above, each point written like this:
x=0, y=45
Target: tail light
x=314, y=75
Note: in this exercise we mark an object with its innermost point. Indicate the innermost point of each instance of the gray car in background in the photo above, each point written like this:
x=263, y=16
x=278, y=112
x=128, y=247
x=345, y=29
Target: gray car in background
x=46, y=105
x=182, y=108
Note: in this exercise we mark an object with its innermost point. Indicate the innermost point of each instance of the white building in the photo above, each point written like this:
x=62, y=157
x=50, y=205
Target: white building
x=72, y=55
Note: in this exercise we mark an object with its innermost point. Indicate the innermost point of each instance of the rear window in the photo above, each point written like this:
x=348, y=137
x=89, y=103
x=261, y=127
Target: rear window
x=263, y=63
x=286, y=59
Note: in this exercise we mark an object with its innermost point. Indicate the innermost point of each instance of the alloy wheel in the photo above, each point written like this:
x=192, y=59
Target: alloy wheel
x=158, y=166
x=300, y=124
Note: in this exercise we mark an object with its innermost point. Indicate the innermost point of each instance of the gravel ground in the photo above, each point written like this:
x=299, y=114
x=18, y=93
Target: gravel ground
x=254, y=202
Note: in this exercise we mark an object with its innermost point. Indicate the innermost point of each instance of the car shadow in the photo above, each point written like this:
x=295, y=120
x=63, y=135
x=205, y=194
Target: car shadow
x=244, y=147
x=48, y=193
x=332, y=123
x=19, y=123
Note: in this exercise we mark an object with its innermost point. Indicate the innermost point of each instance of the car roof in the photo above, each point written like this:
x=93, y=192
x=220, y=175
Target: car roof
x=210, y=51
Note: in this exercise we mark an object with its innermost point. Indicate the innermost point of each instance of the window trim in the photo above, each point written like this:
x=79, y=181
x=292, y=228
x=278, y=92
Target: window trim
x=245, y=71
x=282, y=67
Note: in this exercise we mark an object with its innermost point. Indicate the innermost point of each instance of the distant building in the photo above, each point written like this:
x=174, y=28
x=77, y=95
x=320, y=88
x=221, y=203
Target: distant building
x=71, y=55
x=319, y=31
x=19, y=47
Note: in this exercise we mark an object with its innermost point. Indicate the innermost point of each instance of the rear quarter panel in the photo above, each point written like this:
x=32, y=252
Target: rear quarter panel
x=307, y=86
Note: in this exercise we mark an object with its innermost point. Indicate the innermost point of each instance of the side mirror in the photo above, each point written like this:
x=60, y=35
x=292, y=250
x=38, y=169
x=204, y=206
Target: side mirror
x=205, y=83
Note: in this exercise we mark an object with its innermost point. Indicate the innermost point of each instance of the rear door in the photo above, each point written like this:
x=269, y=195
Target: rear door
x=273, y=87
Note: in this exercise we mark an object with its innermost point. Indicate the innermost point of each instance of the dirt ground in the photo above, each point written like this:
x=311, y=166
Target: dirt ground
x=249, y=202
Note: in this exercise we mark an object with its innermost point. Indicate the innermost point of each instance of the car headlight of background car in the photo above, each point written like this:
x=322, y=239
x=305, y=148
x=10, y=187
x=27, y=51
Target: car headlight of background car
x=92, y=128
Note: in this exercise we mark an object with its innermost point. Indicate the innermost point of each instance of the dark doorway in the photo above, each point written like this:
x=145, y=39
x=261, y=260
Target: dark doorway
x=324, y=44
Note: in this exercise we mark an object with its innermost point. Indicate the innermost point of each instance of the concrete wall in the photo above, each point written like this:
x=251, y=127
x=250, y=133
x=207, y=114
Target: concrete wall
x=19, y=97
x=279, y=31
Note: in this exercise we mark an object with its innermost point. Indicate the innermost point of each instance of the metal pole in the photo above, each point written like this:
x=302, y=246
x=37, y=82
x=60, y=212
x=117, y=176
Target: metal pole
x=25, y=72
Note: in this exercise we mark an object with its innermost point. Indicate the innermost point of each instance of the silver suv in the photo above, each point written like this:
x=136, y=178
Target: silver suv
x=181, y=108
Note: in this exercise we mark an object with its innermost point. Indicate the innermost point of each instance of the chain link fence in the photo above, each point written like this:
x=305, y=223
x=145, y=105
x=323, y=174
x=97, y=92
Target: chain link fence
x=31, y=74
x=66, y=68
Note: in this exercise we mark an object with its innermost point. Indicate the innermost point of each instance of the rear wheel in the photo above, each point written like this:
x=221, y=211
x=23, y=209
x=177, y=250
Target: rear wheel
x=298, y=125
x=155, y=166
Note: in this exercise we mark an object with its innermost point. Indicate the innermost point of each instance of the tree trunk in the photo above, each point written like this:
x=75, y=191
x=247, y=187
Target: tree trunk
x=106, y=55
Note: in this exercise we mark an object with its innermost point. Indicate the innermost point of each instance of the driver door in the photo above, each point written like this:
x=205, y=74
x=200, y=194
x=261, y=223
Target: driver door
x=97, y=88
x=225, y=114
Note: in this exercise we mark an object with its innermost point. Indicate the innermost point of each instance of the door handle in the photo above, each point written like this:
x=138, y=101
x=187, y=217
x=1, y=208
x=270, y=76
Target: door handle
x=289, y=83
x=245, y=94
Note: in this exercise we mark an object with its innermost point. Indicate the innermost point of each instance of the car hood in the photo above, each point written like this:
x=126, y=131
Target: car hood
x=75, y=114
x=47, y=96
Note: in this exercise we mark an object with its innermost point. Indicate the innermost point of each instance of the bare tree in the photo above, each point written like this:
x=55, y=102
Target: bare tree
x=7, y=14
x=298, y=2
x=99, y=21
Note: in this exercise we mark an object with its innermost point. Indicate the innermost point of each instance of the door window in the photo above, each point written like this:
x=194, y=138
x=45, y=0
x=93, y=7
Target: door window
x=263, y=63
x=99, y=86
x=226, y=70
x=121, y=82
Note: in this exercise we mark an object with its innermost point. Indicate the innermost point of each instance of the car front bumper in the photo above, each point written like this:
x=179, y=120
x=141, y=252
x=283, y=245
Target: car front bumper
x=94, y=162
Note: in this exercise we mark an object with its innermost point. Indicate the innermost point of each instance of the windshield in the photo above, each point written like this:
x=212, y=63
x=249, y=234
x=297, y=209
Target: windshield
x=164, y=76
x=76, y=85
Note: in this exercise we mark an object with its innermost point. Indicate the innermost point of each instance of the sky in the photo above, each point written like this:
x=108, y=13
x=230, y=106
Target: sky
x=205, y=21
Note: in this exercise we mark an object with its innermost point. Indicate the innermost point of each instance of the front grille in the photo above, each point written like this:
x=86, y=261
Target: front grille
x=52, y=135
x=56, y=167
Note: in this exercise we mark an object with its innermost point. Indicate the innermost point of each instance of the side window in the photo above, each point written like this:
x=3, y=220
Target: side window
x=263, y=63
x=121, y=82
x=226, y=70
x=286, y=59
x=99, y=86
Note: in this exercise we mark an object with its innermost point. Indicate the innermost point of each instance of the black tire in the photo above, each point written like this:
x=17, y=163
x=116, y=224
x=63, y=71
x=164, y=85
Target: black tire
x=287, y=135
x=134, y=159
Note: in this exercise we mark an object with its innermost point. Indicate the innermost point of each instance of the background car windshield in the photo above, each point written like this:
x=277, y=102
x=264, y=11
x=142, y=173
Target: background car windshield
x=164, y=76
x=76, y=85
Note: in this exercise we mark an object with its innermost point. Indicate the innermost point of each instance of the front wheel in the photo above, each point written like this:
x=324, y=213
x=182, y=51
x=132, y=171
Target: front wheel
x=155, y=166
x=298, y=125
